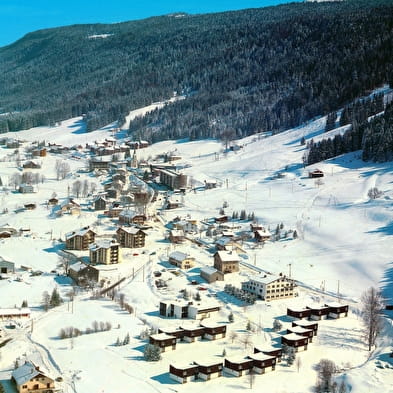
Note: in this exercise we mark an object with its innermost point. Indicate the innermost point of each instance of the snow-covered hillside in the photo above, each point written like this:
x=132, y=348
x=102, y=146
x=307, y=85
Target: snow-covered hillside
x=344, y=246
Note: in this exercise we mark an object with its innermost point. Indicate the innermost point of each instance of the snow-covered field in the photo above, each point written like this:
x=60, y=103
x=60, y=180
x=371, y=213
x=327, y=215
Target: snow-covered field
x=344, y=246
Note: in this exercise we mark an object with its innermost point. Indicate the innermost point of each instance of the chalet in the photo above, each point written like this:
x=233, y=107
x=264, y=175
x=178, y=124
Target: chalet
x=263, y=363
x=164, y=341
x=6, y=266
x=176, y=332
x=83, y=273
x=69, y=206
x=181, y=260
x=31, y=165
x=6, y=232
x=41, y=152
x=173, y=180
x=299, y=312
x=187, y=226
x=114, y=211
x=262, y=235
x=14, y=313
x=105, y=252
x=213, y=330
x=270, y=287
x=256, y=227
x=12, y=144
x=173, y=203
x=226, y=261
x=269, y=350
x=318, y=312
x=176, y=236
x=295, y=341
x=131, y=217
x=308, y=325
x=26, y=189
x=29, y=378
x=183, y=309
x=226, y=243
x=210, y=274
x=183, y=373
x=131, y=237
x=301, y=331
x=192, y=333
x=30, y=206
x=221, y=219
x=53, y=201
x=336, y=310
x=80, y=240
x=238, y=366
x=209, y=369
x=100, y=203
x=315, y=173
x=99, y=163
x=210, y=184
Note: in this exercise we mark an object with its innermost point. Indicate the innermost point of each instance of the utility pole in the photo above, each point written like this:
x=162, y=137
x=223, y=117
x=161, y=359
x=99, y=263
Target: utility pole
x=290, y=266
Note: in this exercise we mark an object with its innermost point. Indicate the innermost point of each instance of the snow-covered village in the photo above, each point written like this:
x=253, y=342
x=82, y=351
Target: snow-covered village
x=190, y=266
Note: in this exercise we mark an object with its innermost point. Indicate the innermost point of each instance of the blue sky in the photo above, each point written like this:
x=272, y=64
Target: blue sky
x=19, y=17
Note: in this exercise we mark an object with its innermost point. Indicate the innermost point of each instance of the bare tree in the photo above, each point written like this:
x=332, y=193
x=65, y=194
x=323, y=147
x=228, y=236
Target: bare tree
x=374, y=193
x=246, y=340
x=93, y=187
x=85, y=190
x=326, y=368
x=15, y=180
x=251, y=378
x=372, y=306
x=77, y=188
x=233, y=336
x=62, y=169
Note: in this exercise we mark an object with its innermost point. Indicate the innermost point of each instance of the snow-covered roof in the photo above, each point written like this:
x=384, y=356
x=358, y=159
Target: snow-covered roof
x=14, y=311
x=262, y=356
x=208, y=270
x=177, y=232
x=237, y=359
x=161, y=336
x=266, y=279
x=182, y=366
x=210, y=324
x=208, y=362
x=293, y=337
x=81, y=232
x=299, y=330
x=77, y=267
x=263, y=232
x=228, y=256
x=105, y=243
x=131, y=230
x=178, y=256
x=266, y=348
x=25, y=373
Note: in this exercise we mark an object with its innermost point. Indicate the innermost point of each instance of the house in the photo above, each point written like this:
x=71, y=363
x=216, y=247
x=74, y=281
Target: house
x=221, y=219
x=262, y=235
x=106, y=252
x=14, y=313
x=226, y=261
x=131, y=217
x=29, y=206
x=295, y=341
x=6, y=232
x=172, y=179
x=26, y=189
x=131, y=237
x=208, y=370
x=263, y=363
x=238, y=366
x=192, y=333
x=256, y=227
x=187, y=226
x=299, y=312
x=210, y=184
x=29, y=378
x=177, y=309
x=181, y=260
x=83, y=273
x=114, y=211
x=183, y=373
x=41, y=152
x=308, y=325
x=99, y=163
x=226, y=243
x=6, y=266
x=213, y=330
x=81, y=239
x=301, y=331
x=336, y=310
x=210, y=274
x=53, y=201
x=269, y=350
x=172, y=331
x=318, y=312
x=164, y=341
x=270, y=287
x=176, y=236
x=184, y=309
x=69, y=206
x=100, y=203
x=315, y=173
x=31, y=165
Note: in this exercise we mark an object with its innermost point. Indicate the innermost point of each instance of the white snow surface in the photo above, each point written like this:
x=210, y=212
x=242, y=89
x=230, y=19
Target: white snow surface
x=344, y=247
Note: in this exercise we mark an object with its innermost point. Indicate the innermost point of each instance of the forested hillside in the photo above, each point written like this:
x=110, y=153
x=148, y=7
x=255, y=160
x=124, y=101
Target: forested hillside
x=241, y=72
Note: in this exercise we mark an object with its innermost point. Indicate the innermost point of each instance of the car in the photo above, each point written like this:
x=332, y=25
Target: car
x=135, y=254
x=202, y=289
x=157, y=274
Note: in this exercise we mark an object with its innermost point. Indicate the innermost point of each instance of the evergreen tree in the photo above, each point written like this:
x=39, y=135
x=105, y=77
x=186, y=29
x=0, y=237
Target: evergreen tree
x=55, y=299
x=231, y=317
x=152, y=353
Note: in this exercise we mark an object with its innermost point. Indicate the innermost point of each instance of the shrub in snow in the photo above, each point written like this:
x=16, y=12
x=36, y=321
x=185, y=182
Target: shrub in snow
x=152, y=353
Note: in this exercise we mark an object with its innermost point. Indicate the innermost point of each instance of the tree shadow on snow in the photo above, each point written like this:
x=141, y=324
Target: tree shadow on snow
x=387, y=285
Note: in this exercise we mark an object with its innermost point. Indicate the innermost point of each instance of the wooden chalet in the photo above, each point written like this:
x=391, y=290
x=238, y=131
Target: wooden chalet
x=31, y=165
x=176, y=332
x=70, y=206
x=41, y=152
x=30, y=206
x=181, y=260
x=164, y=341
x=221, y=219
x=81, y=239
x=213, y=331
x=183, y=373
x=337, y=310
x=238, y=366
x=100, y=203
x=301, y=331
x=295, y=341
x=208, y=370
x=299, y=313
x=255, y=227
x=226, y=261
x=318, y=312
x=315, y=173
x=307, y=325
x=29, y=378
x=14, y=313
x=192, y=333
x=262, y=235
x=269, y=350
x=210, y=274
x=53, y=201
x=176, y=236
x=131, y=217
x=83, y=273
x=131, y=237
x=263, y=363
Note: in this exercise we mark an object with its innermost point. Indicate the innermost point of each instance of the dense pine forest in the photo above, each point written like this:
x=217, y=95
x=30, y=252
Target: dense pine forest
x=240, y=72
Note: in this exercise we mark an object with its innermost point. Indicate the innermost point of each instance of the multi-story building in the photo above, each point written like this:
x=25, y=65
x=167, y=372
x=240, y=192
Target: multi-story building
x=131, y=237
x=173, y=180
x=226, y=261
x=81, y=239
x=105, y=252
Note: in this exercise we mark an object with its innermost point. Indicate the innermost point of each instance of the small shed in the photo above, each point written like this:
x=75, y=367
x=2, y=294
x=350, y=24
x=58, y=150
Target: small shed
x=308, y=325
x=295, y=341
x=337, y=310
x=319, y=312
x=183, y=373
x=164, y=341
x=269, y=350
x=238, y=366
x=209, y=369
x=301, y=331
x=299, y=312
x=263, y=363
x=213, y=330
x=6, y=266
